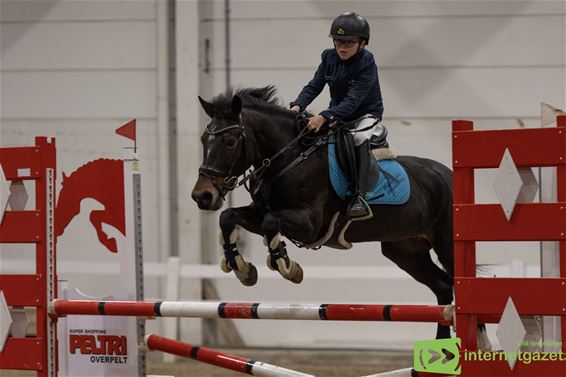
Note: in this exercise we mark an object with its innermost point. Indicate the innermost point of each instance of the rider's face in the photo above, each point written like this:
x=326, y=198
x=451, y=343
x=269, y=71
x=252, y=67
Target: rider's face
x=346, y=49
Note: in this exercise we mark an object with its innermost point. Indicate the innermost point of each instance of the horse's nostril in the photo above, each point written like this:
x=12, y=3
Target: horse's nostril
x=206, y=197
x=203, y=199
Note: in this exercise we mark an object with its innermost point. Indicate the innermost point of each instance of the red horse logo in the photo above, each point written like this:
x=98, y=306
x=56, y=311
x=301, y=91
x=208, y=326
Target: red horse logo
x=103, y=181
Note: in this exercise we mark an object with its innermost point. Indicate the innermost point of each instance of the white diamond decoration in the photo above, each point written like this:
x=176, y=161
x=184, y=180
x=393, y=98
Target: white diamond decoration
x=20, y=322
x=548, y=114
x=18, y=197
x=5, y=321
x=510, y=331
x=4, y=193
x=514, y=185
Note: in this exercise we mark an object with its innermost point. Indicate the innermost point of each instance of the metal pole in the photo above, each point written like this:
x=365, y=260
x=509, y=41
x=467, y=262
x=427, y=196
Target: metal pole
x=219, y=359
x=203, y=309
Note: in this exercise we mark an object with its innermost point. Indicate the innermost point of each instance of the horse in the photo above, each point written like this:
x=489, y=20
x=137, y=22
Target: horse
x=85, y=182
x=292, y=195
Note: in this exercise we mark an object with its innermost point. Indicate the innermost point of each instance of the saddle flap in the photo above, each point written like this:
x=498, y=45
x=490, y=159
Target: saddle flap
x=345, y=154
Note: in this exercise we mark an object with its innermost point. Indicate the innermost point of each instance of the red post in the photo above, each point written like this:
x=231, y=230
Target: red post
x=481, y=297
x=464, y=251
x=35, y=163
x=561, y=197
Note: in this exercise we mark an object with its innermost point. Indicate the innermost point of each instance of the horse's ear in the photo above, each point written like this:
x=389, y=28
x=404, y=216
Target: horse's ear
x=65, y=176
x=207, y=106
x=236, y=106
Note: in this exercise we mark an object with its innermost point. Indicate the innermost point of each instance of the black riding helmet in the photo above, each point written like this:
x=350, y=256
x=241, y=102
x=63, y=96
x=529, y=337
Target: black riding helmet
x=349, y=26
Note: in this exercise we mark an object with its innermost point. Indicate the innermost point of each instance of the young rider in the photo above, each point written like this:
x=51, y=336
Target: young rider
x=351, y=74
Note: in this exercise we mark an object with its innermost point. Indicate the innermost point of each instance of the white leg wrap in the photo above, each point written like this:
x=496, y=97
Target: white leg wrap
x=242, y=264
x=282, y=267
x=274, y=244
x=233, y=237
x=224, y=265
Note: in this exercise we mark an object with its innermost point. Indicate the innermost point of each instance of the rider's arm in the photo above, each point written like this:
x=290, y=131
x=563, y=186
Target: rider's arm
x=356, y=94
x=314, y=87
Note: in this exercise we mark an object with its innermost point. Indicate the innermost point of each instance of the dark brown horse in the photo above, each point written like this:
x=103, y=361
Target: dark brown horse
x=248, y=129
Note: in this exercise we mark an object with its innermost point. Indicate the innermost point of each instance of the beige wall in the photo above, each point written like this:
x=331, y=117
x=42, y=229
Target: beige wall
x=78, y=70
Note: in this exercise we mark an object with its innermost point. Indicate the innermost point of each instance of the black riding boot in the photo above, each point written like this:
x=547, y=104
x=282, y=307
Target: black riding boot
x=360, y=210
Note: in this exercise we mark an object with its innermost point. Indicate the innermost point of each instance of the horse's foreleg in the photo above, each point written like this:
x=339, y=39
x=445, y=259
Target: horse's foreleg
x=232, y=259
x=294, y=221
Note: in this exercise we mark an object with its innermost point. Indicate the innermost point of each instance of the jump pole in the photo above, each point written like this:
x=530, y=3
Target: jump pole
x=199, y=309
x=217, y=358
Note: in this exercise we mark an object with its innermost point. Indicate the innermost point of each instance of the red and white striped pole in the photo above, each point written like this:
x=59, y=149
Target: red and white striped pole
x=219, y=359
x=200, y=309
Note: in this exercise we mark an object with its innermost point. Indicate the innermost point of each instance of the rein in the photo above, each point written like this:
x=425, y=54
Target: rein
x=231, y=181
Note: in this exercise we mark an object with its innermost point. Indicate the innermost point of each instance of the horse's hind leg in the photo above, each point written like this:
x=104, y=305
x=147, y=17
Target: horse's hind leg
x=443, y=245
x=413, y=256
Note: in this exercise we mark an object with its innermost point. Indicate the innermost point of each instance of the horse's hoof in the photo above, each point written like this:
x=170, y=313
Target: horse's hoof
x=295, y=273
x=249, y=277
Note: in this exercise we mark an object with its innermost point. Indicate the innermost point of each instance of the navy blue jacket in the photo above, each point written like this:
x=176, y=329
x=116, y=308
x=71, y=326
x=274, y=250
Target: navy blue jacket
x=354, y=86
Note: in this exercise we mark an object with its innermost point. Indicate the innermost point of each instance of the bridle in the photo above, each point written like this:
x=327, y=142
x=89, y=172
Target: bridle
x=230, y=180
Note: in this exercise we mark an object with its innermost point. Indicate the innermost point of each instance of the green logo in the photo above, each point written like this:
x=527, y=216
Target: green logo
x=437, y=356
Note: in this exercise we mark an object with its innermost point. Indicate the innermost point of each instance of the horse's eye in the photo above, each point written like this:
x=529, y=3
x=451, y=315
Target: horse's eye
x=230, y=142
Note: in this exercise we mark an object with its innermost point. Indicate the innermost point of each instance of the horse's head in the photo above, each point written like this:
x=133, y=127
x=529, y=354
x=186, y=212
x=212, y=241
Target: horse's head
x=227, y=154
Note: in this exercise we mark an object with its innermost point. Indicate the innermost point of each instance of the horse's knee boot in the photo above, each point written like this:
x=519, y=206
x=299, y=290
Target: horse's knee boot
x=278, y=260
x=233, y=261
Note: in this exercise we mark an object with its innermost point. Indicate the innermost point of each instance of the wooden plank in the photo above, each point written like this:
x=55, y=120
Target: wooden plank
x=530, y=222
x=430, y=38
x=21, y=162
x=23, y=290
x=434, y=96
x=528, y=147
x=78, y=94
x=23, y=354
x=84, y=45
x=21, y=227
x=531, y=296
x=53, y=11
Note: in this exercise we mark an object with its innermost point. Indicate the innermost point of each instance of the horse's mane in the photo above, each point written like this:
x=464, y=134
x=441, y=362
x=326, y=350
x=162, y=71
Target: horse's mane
x=252, y=98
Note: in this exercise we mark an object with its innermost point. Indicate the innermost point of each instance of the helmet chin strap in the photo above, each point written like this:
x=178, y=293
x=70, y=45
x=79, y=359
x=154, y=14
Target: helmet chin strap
x=361, y=46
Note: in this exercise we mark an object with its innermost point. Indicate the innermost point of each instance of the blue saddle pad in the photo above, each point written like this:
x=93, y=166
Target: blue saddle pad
x=385, y=191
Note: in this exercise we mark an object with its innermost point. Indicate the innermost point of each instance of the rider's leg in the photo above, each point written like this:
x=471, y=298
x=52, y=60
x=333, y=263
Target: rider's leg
x=359, y=209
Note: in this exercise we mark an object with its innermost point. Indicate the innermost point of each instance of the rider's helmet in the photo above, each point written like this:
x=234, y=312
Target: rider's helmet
x=349, y=26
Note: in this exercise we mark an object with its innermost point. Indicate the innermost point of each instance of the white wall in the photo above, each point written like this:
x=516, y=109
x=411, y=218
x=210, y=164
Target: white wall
x=78, y=70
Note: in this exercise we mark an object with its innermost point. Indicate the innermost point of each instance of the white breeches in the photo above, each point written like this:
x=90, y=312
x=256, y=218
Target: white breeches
x=367, y=121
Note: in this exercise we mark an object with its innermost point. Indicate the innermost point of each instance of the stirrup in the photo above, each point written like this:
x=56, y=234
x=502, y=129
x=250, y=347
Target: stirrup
x=360, y=210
